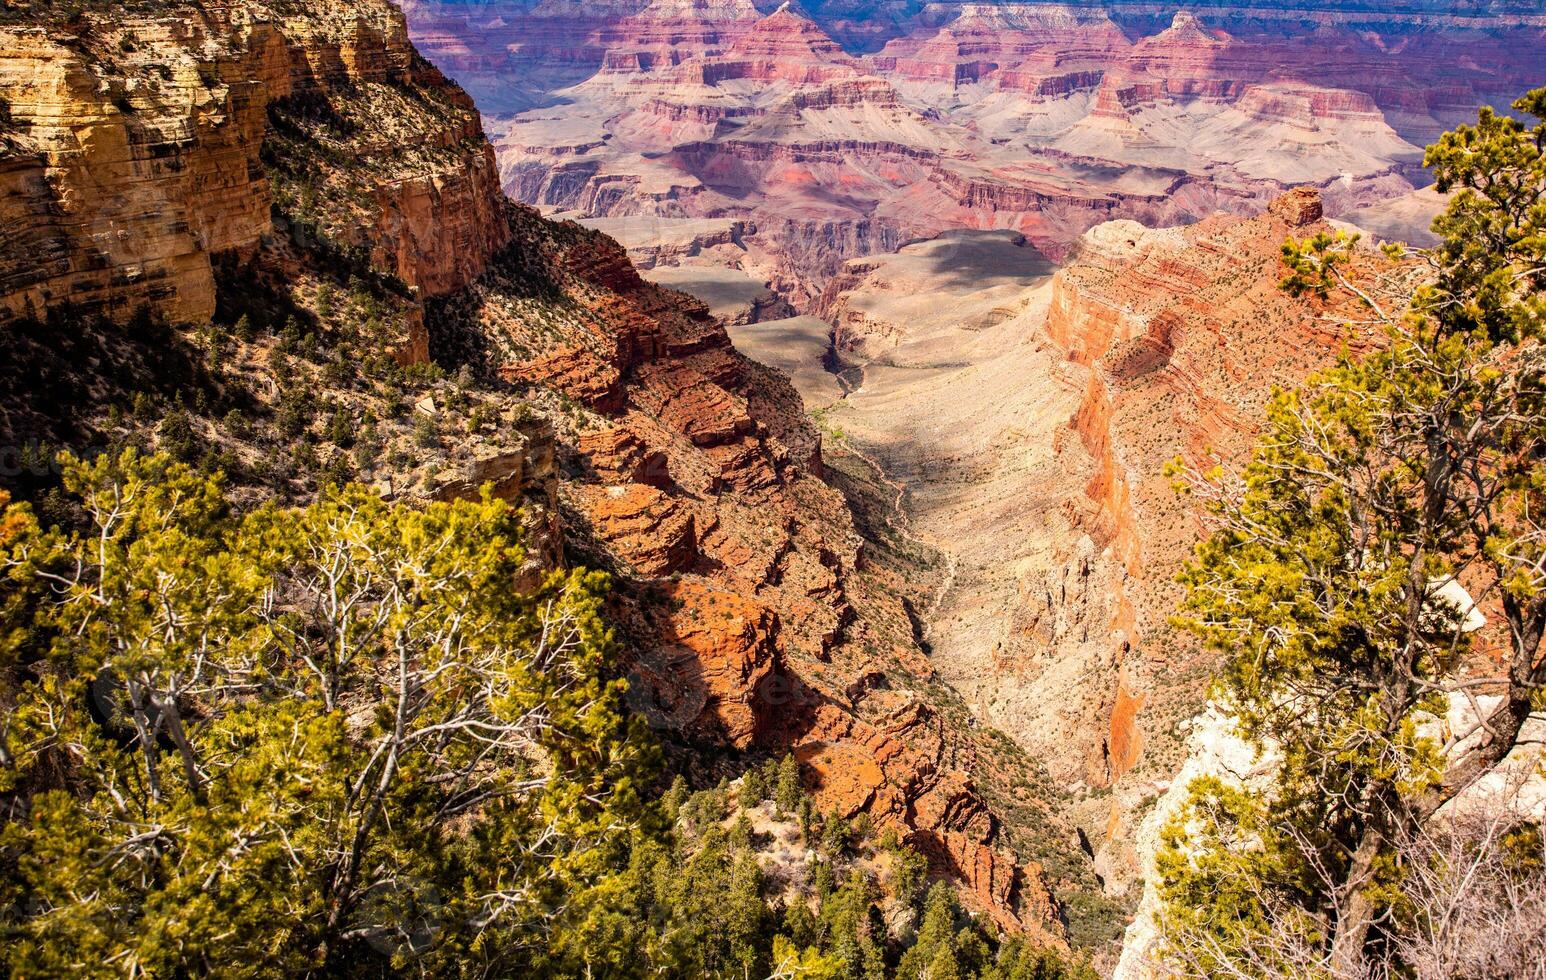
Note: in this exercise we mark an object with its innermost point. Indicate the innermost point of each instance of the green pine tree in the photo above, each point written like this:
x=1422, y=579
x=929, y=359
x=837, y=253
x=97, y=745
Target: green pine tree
x=787, y=793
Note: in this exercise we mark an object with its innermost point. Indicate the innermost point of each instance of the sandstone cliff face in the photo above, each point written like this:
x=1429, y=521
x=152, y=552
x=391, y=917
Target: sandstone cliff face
x=1178, y=337
x=194, y=161
x=118, y=186
x=135, y=151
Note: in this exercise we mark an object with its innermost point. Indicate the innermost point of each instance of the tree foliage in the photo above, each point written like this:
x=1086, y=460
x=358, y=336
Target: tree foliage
x=712, y=898
x=297, y=739
x=1329, y=580
x=335, y=739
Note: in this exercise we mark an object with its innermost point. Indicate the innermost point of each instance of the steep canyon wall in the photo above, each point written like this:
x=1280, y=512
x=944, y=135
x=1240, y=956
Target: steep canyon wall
x=189, y=163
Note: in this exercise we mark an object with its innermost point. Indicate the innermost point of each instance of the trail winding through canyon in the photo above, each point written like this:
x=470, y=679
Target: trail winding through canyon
x=899, y=520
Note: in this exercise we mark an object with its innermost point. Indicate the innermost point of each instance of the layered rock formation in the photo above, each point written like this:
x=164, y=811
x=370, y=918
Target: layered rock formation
x=1026, y=419
x=1172, y=340
x=132, y=163
x=697, y=478
x=115, y=194
x=194, y=160
x=836, y=130
x=889, y=769
x=300, y=163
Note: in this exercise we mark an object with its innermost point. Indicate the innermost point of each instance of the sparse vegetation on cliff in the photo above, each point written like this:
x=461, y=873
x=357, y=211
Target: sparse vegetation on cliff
x=333, y=739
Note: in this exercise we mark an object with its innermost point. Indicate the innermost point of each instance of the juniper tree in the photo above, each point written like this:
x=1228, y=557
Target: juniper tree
x=753, y=789
x=934, y=954
x=294, y=740
x=1328, y=582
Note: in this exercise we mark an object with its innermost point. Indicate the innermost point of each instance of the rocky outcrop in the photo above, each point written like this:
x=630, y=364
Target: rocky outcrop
x=1214, y=749
x=137, y=149
x=578, y=372
x=525, y=476
x=437, y=231
x=648, y=530
x=118, y=187
x=1217, y=750
x=619, y=455
x=891, y=770
x=731, y=643
x=1297, y=208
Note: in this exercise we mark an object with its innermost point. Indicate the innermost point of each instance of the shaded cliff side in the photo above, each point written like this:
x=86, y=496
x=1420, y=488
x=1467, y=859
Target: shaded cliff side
x=1171, y=341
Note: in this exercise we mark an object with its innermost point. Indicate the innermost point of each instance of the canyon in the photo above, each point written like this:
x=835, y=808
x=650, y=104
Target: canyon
x=1034, y=253
x=1027, y=414
x=273, y=213
x=829, y=131
x=858, y=367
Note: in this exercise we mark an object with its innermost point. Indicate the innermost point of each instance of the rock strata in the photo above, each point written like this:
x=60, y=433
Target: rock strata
x=829, y=132
x=133, y=162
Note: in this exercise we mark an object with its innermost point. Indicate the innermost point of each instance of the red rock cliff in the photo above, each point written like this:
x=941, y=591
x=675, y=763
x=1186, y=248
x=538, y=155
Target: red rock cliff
x=1181, y=334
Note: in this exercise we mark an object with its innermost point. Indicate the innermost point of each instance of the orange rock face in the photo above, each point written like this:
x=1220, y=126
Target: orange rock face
x=1180, y=335
x=650, y=531
x=1298, y=208
x=1124, y=744
x=731, y=642
x=892, y=771
x=576, y=372
x=619, y=455
x=690, y=403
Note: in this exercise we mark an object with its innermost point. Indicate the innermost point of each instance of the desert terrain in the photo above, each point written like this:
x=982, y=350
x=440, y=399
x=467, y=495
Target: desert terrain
x=1018, y=418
